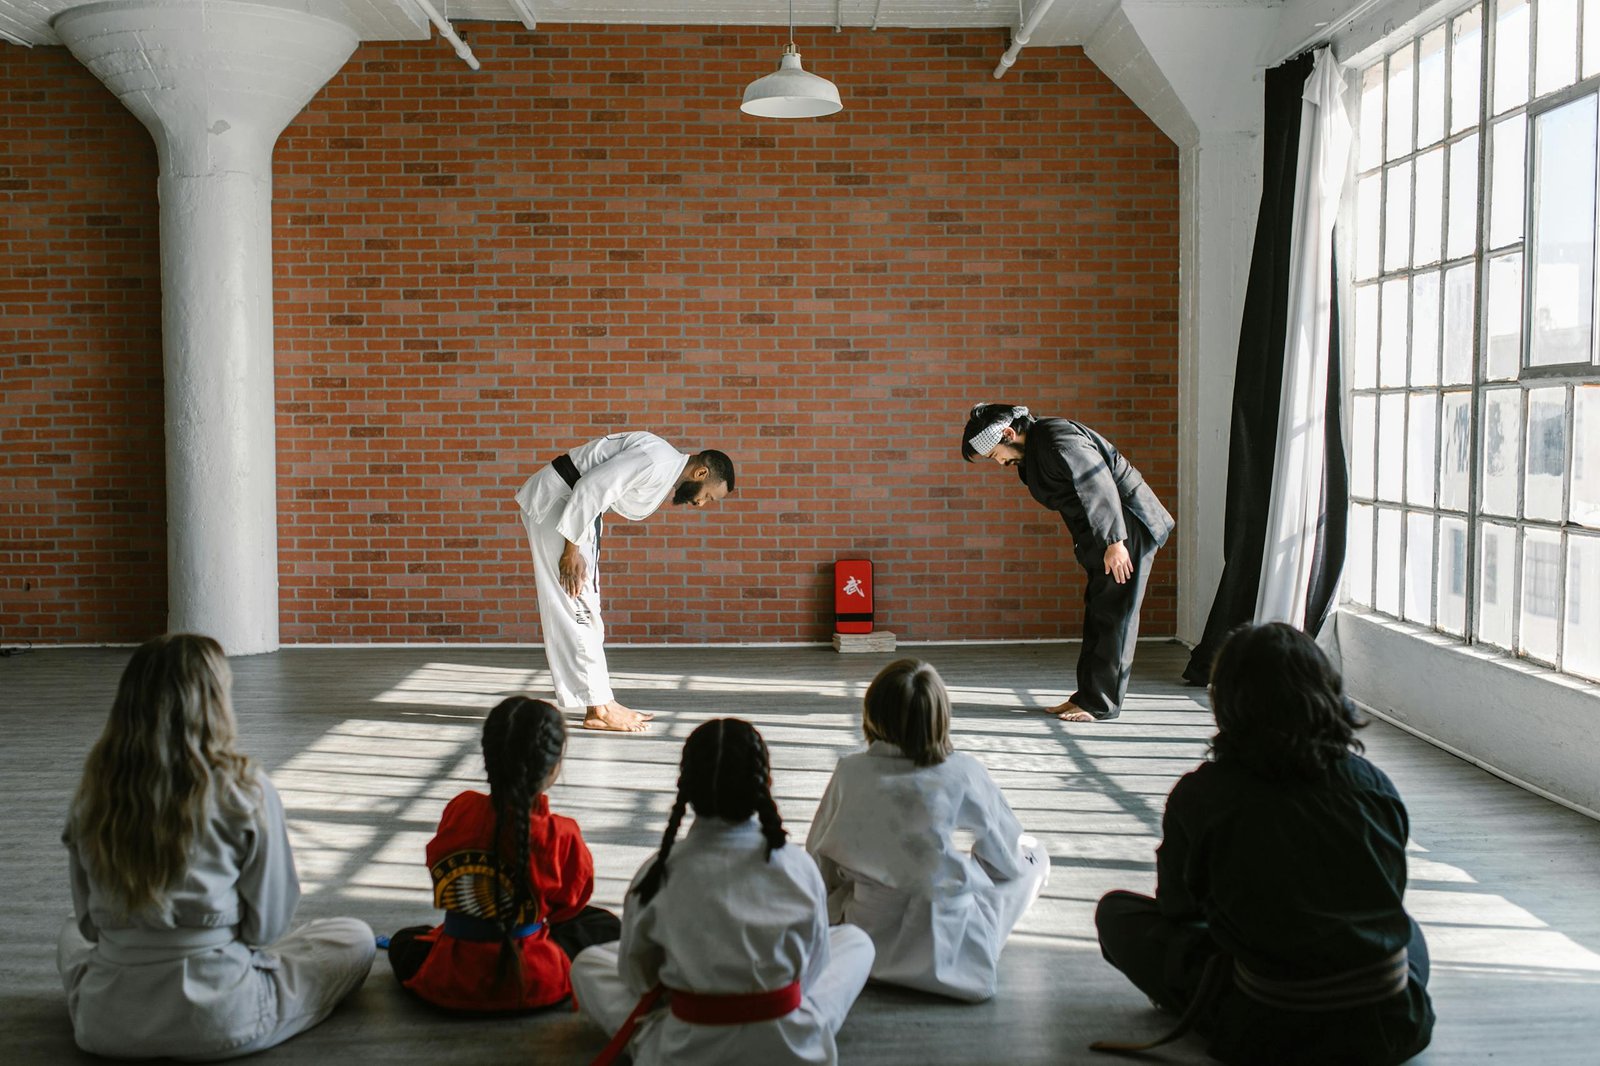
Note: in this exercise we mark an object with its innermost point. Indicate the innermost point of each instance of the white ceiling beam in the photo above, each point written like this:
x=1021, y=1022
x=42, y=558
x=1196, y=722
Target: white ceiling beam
x=16, y=31
x=524, y=10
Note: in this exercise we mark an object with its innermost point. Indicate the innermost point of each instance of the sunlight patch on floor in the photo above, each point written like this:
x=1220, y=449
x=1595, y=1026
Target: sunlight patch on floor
x=473, y=685
x=1436, y=872
x=1093, y=798
x=1484, y=929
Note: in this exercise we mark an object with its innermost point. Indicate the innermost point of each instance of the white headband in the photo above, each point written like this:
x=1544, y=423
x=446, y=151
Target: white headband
x=988, y=437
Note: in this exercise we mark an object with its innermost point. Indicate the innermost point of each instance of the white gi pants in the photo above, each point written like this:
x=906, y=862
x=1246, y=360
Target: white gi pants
x=574, y=631
x=603, y=997
x=949, y=946
x=217, y=1004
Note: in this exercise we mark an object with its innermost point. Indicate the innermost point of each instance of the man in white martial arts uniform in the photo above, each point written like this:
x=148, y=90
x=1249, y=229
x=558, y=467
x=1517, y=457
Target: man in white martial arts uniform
x=562, y=504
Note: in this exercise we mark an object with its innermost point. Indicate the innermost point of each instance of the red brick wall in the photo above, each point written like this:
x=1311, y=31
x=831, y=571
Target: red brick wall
x=82, y=506
x=478, y=270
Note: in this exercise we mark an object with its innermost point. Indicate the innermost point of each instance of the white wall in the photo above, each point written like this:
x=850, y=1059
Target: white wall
x=1526, y=723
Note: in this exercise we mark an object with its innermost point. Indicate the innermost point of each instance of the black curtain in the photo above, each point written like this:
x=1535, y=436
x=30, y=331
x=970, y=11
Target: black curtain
x=1327, y=561
x=1258, y=377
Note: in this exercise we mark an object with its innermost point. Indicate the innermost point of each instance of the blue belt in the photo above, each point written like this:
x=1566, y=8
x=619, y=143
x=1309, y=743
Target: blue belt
x=466, y=927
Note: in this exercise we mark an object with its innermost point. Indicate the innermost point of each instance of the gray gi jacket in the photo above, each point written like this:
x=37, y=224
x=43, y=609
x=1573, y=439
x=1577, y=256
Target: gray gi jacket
x=1076, y=472
x=189, y=979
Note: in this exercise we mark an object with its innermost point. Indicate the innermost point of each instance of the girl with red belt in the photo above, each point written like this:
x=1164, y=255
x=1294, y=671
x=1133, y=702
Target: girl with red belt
x=726, y=955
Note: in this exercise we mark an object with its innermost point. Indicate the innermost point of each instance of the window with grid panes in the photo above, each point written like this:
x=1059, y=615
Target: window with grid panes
x=1475, y=368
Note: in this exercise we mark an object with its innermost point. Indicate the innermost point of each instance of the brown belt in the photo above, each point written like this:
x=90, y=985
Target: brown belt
x=1359, y=987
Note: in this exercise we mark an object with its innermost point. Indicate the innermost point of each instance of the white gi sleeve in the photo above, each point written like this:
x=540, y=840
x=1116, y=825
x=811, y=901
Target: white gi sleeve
x=827, y=809
x=269, y=888
x=598, y=488
x=639, y=956
x=817, y=948
x=995, y=828
x=80, y=891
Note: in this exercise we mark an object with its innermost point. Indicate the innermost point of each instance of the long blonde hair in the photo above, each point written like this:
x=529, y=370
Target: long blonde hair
x=166, y=753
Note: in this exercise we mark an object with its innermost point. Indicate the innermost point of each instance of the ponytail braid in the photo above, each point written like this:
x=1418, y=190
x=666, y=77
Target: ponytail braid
x=658, y=870
x=771, y=825
x=523, y=741
x=759, y=780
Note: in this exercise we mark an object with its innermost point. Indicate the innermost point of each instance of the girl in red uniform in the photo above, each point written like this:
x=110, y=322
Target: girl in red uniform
x=513, y=879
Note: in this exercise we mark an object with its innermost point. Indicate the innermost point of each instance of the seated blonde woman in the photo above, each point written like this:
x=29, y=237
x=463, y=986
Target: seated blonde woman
x=183, y=885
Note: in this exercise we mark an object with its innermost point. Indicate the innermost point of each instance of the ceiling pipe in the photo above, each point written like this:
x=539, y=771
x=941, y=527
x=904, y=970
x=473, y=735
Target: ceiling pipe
x=448, y=32
x=1020, y=39
x=877, y=12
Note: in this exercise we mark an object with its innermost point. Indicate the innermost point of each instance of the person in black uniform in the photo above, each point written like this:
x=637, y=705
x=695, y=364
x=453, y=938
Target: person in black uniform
x=1117, y=524
x=1278, y=928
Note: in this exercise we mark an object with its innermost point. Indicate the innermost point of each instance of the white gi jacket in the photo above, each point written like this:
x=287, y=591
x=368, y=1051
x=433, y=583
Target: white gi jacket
x=937, y=916
x=629, y=473
x=198, y=980
x=728, y=921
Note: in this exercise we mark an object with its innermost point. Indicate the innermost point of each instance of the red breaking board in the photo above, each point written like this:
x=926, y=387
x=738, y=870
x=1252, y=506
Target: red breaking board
x=852, y=596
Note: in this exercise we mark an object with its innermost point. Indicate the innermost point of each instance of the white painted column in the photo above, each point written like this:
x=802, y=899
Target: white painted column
x=1195, y=70
x=1222, y=189
x=215, y=82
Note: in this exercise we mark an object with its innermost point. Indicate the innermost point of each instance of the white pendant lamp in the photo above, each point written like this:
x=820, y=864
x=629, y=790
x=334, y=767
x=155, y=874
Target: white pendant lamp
x=791, y=92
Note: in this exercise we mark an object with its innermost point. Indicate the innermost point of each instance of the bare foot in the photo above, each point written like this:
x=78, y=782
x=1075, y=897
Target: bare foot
x=1071, y=712
x=613, y=717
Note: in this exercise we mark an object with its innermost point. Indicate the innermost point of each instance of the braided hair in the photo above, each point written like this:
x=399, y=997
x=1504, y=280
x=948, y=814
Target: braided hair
x=523, y=740
x=725, y=773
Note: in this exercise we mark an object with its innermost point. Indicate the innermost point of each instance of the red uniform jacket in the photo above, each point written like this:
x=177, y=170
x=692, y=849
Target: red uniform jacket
x=464, y=974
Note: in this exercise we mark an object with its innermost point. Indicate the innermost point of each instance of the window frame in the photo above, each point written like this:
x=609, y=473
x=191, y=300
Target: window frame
x=1472, y=518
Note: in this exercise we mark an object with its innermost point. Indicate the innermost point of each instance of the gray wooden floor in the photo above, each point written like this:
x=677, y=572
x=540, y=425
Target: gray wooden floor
x=367, y=746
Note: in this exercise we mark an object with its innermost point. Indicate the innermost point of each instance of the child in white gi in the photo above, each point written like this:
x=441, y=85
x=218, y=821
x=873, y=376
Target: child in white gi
x=938, y=916
x=726, y=955
x=183, y=883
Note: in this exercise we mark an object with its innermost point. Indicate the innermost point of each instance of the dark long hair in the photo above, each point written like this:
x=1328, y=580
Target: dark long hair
x=725, y=773
x=523, y=739
x=1280, y=705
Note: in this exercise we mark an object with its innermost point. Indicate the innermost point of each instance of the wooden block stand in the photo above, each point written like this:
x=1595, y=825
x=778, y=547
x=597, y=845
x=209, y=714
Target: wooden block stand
x=877, y=640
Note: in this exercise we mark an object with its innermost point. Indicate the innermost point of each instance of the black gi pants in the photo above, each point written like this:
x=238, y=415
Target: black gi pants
x=1111, y=622
x=590, y=926
x=1166, y=959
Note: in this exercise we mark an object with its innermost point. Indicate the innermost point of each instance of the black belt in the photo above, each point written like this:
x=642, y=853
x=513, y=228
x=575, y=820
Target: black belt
x=567, y=469
x=569, y=473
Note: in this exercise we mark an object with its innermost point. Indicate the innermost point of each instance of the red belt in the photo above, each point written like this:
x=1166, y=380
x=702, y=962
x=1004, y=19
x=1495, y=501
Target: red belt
x=699, y=1009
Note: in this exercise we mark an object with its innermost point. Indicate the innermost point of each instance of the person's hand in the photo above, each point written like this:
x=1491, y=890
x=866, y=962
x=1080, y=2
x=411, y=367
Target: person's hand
x=574, y=570
x=1118, y=565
